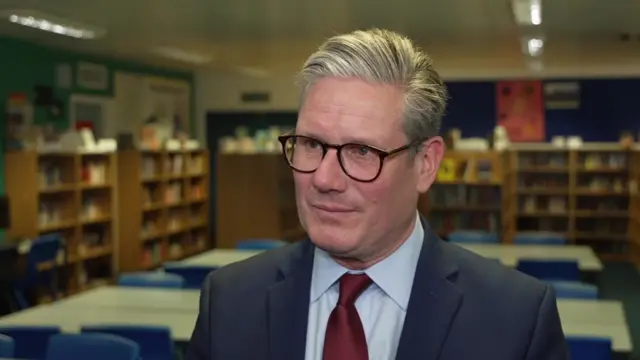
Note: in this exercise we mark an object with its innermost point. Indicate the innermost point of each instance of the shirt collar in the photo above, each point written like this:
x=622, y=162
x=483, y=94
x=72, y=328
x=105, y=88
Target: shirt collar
x=394, y=275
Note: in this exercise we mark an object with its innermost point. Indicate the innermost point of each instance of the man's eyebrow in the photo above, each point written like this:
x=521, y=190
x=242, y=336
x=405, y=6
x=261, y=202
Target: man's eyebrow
x=348, y=140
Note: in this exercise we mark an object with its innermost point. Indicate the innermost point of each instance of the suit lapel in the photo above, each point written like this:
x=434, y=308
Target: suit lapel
x=288, y=306
x=433, y=304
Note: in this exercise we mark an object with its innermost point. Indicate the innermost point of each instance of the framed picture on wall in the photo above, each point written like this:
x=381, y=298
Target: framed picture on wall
x=92, y=76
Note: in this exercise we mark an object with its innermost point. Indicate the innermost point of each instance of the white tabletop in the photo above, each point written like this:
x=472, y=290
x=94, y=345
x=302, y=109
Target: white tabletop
x=509, y=254
x=619, y=335
x=596, y=312
x=219, y=257
x=70, y=318
x=601, y=312
x=178, y=310
x=144, y=299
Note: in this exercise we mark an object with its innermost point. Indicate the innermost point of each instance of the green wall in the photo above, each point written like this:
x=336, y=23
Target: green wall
x=24, y=65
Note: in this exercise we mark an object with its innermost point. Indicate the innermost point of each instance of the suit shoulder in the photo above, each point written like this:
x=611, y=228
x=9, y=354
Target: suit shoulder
x=256, y=271
x=491, y=277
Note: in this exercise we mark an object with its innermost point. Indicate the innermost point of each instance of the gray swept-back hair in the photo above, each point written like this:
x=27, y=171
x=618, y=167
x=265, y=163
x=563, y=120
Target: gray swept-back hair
x=385, y=57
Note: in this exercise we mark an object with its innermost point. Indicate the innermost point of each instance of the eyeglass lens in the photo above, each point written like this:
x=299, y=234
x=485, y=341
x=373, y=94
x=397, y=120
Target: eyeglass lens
x=358, y=161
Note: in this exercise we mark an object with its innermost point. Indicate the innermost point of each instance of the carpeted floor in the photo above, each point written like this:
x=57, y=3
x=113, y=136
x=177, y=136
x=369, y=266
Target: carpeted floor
x=621, y=281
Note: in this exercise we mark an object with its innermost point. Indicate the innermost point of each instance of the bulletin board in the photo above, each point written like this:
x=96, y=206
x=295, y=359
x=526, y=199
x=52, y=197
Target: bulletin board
x=521, y=110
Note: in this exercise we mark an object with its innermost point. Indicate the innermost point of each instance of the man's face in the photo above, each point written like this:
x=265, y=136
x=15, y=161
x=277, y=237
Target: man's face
x=343, y=216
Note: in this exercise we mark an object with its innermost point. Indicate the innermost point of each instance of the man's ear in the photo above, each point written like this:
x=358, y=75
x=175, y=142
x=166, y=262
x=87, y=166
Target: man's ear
x=429, y=158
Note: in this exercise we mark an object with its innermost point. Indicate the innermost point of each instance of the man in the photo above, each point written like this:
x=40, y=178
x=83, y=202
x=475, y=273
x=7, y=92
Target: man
x=373, y=281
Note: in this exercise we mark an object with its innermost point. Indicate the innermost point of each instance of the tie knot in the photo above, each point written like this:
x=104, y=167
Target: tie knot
x=351, y=286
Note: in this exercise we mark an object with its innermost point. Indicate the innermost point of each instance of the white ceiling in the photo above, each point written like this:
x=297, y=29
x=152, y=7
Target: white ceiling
x=277, y=35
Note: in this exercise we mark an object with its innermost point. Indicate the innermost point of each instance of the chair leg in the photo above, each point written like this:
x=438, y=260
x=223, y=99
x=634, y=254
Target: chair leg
x=20, y=299
x=11, y=301
x=53, y=291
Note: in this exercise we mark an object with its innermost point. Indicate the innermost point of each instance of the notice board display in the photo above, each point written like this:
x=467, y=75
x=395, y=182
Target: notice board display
x=521, y=110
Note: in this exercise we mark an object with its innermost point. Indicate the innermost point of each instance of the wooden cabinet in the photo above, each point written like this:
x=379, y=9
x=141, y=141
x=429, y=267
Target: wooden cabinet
x=255, y=198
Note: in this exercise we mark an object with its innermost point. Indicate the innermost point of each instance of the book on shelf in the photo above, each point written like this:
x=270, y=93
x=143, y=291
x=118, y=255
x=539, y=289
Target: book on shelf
x=94, y=172
x=173, y=192
x=91, y=208
x=196, y=165
x=174, y=164
x=594, y=161
x=50, y=175
x=461, y=195
x=50, y=213
x=148, y=167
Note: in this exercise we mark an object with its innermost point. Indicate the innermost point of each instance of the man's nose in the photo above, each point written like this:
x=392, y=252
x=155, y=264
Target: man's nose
x=329, y=175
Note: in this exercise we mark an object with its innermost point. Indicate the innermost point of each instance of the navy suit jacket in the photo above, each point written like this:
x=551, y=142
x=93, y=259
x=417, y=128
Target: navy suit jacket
x=462, y=306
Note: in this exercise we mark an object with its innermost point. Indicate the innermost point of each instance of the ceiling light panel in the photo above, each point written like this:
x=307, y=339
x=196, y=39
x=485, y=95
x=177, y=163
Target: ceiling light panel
x=527, y=12
x=532, y=46
x=53, y=24
x=181, y=55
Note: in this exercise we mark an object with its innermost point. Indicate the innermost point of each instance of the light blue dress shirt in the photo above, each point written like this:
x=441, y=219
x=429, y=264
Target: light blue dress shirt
x=382, y=307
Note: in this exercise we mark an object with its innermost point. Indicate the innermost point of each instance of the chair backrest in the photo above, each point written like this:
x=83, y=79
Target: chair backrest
x=563, y=270
x=539, y=238
x=151, y=279
x=91, y=347
x=43, y=249
x=7, y=347
x=574, y=290
x=473, y=237
x=30, y=341
x=193, y=275
x=259, y=244
x=155, y=341
x=589, y=348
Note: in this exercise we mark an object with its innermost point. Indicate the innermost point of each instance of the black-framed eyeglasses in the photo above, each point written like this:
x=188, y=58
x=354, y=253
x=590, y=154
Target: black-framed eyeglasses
x=359, y=161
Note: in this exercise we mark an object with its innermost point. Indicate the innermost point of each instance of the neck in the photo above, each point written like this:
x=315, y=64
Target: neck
x=381, y=253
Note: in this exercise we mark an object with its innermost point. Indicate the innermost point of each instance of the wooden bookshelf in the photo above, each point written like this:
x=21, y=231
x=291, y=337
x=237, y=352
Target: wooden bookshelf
x=467, y=194
x=255, y=198
x=540, y=183
x=582, y=194
x=634, y=208
x=71, y=194
x=163, y=206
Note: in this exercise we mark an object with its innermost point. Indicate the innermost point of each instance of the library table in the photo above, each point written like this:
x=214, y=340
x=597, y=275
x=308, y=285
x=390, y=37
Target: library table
x=178, y=310
x=219, y=257
x=508, y=254
x=70, y=318
x=148, y=299
x=144, y=299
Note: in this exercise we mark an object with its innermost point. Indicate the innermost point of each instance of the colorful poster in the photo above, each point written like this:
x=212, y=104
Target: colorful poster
x=521, y=110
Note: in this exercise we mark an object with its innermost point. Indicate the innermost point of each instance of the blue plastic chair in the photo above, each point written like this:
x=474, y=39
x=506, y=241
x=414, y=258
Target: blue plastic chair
x=589, y=348
x=151, y=279
x=574, y=290
x=473, y=237
x=193, y=275
x=259, y=244
x=539, y=238
x=43, y=249
x=558, y=270
x=155, y=341
x=30, y=341
x=91, y=347
x=7, y=347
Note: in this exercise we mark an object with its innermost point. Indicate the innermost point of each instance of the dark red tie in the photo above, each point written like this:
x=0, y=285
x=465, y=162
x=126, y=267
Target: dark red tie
x=345, y=338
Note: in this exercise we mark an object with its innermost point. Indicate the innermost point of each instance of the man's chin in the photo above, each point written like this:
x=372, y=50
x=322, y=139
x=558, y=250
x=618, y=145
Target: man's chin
x=334, y=241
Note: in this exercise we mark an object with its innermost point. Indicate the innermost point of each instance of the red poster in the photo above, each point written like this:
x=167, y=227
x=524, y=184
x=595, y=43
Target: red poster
x=521, y=110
